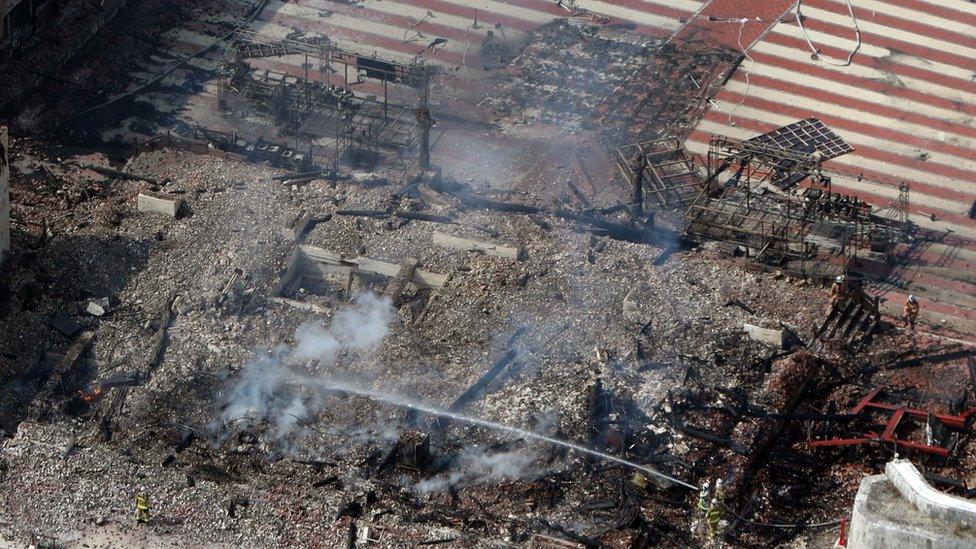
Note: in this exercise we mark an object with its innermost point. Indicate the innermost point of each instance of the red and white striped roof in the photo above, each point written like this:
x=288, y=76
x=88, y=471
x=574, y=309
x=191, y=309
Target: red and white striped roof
x=402, y=29
x=907, y=103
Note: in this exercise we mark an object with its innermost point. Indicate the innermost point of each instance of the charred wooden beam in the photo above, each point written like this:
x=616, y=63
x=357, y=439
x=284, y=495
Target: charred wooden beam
x=478, y=388
x=933, y=359
x=713, y=438
x=40, y=406
x=109, y=172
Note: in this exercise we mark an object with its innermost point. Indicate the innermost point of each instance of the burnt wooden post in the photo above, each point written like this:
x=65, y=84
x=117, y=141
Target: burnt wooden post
x=637, y=197
x=425, y=122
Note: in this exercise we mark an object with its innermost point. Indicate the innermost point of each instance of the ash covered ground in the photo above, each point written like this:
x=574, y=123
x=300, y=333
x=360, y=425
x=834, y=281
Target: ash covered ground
x=261, y=404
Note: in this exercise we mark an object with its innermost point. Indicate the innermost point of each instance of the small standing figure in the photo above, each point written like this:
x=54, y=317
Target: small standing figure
x=703, y=496
x=699, y=525
x=714, y=517
x=720, y=491
x=142, y=506
x=911, y=312
x=838, y=292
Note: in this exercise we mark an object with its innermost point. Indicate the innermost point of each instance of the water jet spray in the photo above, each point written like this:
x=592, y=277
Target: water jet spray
x=404, y=402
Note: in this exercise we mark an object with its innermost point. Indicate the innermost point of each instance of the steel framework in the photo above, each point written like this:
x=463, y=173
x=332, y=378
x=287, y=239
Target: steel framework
x=315, y=107
x=749, y=210
x=667, y=171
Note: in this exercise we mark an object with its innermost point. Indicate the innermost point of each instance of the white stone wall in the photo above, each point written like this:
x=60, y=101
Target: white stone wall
x=4, y=195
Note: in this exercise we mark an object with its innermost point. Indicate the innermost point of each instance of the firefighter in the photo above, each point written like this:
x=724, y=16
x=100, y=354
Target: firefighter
x=142, y=506
x=911, y=312
x=838, y=291
x=699, y=525
x=720, y=491
x=714, y=519
x=703, y=498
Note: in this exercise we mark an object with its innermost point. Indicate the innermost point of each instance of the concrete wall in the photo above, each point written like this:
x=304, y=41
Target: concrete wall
x=4, y=195
x=884, y=518
x=929, y=501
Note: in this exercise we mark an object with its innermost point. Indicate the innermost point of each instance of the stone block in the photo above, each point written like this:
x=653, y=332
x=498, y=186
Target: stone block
x=765, y=335
x=467, y=244
x=155, y=204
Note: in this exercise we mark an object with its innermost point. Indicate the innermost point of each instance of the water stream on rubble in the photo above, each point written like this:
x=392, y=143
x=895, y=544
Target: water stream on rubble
x=403, y=402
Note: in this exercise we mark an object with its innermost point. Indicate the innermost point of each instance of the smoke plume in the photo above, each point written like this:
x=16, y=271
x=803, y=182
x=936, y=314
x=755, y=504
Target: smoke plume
x=279, y=388
x=474, y=466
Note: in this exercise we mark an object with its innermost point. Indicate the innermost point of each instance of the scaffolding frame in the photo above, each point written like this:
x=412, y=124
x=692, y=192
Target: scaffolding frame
x=313, y=106
x=748, y=210
x=669, y=172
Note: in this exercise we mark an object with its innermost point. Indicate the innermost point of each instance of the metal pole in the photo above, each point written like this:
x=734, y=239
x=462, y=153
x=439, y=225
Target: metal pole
x=335, y=163
x=306, y=65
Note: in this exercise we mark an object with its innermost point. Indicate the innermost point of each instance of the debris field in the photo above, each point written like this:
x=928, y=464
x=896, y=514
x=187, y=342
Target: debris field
x=374, y=301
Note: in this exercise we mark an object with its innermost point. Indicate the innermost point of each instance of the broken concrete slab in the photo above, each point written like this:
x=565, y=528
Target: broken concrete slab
x=297, y=225
x=884, y=518
x=929, y=501
x=313, y=256
x=470, y=245
x=402, y=278
x=155, y=204
x=765, y=335
x=97, y=307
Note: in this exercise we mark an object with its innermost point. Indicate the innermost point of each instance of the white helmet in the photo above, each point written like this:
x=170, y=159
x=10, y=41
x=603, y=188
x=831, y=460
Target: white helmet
x=912, y=298
x=840, y=278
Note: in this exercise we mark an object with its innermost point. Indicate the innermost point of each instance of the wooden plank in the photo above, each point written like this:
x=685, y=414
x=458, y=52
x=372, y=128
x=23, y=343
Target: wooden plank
x=427, y=279
x=311, y=307
x=159, y=338
x=467, y=244
x=296, y=226
x=68, y=361
x=291, y=269
x=315, y=253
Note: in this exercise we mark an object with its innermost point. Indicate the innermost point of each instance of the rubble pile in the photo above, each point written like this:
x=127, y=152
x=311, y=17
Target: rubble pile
x=250, y=356
x=214, y=267
x=576, y=76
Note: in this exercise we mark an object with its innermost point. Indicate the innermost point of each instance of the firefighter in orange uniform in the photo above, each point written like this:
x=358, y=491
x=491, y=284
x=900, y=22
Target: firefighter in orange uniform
x=911, y=312
x=838, y=291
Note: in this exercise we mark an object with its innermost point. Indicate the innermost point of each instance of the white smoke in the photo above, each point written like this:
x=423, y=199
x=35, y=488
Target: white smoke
x=277, y=387
x=475, y=466
x=283, y=389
